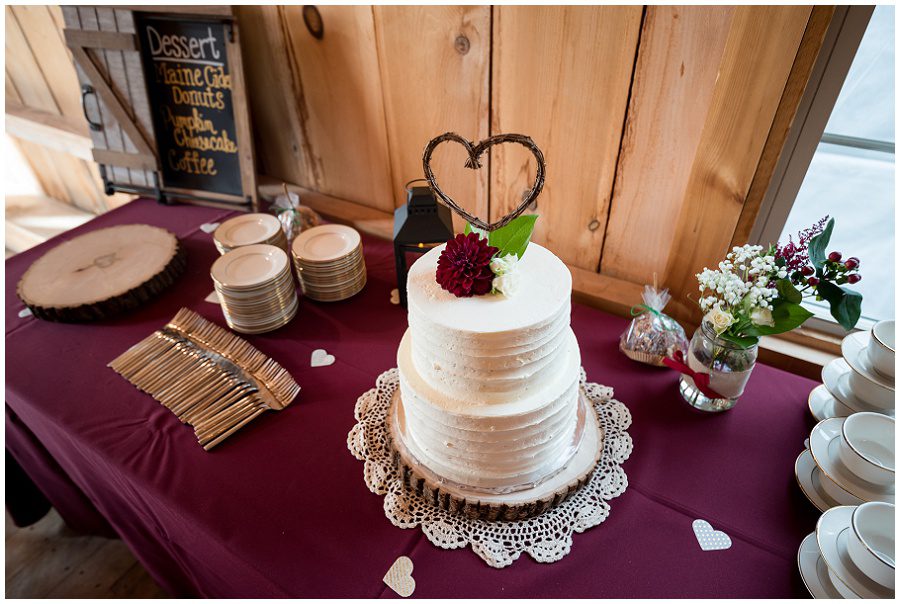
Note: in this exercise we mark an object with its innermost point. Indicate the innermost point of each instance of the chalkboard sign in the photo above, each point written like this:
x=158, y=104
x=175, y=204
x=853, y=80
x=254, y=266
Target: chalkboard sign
x=190, y=88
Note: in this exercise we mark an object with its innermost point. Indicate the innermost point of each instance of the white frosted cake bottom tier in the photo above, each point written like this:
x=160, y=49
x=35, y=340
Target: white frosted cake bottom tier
x=492, y=445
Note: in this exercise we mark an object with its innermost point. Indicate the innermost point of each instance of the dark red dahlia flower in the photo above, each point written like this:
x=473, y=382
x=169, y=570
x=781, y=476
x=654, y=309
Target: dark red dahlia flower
x=464, y=267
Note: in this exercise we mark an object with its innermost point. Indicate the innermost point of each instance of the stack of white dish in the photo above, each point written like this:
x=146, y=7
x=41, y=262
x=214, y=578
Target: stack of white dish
x=861, y=381
x=329, y=262
x=249, y=229
x=255, y=288
x=851, y=553
x=849, y=461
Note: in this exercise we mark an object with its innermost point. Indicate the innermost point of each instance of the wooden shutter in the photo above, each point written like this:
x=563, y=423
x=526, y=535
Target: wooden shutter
x=114, y=95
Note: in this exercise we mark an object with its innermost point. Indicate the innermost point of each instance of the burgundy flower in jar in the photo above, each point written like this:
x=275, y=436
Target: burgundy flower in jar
x=464, y=267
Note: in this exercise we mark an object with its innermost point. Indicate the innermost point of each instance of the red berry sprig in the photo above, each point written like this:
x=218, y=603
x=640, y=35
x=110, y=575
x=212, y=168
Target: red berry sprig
x=835, y=269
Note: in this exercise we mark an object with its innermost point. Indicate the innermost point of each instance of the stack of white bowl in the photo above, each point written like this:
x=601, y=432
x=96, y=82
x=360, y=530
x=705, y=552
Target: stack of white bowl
x=861, y=381
x=851, y=553
x=849, y=461
x=847, y=472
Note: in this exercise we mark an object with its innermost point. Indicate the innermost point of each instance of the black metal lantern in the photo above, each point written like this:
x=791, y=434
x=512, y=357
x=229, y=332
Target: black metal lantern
x=419, y=225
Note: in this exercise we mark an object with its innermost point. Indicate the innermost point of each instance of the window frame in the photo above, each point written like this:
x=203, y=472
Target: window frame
x=839, y=48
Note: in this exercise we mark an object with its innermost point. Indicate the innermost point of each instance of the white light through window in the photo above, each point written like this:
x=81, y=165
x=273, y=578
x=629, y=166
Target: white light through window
x=851, y=177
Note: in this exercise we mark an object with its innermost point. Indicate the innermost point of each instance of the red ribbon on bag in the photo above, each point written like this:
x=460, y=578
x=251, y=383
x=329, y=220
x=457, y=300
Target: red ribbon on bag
x=701, y=380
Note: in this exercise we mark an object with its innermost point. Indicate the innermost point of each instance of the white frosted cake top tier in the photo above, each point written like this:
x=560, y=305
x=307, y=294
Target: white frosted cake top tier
x=546, y=285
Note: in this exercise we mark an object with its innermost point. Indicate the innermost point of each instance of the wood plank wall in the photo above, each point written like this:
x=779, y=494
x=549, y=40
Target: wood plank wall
x=40, y=76
x=654, y=120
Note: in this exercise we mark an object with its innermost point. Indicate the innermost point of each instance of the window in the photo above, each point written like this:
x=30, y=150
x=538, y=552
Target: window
x=850, y=174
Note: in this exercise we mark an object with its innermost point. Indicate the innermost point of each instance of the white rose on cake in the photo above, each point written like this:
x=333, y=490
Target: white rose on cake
x=506, y=281
x=507, y=284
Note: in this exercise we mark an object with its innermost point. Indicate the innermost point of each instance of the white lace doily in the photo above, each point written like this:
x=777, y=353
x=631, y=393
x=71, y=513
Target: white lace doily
x=546, y=538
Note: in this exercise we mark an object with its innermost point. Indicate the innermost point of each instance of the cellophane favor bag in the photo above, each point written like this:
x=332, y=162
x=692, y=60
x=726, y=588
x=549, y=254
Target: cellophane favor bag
x=653, y=335
x=294, y=217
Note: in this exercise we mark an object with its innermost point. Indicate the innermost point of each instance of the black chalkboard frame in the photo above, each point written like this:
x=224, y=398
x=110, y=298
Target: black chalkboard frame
x=249, y=198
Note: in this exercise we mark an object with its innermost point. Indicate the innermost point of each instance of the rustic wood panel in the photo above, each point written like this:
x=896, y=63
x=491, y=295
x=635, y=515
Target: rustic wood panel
x=562, y=75
x=435, y=74
x=89, y=17
x=39, y=75
x=340, y=104
x=275, y=95
x=654, y=121
x=759, y=55
x=813, y=38
x=47, y=46
x=677, y=67
x=48, y=129
x=72, y=20
x=118, y=80
x=25, y=72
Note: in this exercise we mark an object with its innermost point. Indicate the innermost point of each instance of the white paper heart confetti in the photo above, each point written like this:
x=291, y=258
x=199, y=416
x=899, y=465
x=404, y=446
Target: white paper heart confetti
x=25, y=312
x=213, y=297
x=395, y=296
x=708, y=538
x=209, y=227
x=399, y=577
x=320, y=358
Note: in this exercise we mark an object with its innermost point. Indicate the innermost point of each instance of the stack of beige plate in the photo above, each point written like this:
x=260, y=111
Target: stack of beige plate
x=329, y=262
x=249, y=229
x=255, y=288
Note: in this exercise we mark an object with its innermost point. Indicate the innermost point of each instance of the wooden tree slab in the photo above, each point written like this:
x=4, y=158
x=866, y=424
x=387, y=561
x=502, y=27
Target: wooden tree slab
x=102, y=273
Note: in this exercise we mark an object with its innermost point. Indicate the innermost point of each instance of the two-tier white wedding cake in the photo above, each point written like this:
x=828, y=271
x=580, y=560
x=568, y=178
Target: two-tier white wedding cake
x=490, y=384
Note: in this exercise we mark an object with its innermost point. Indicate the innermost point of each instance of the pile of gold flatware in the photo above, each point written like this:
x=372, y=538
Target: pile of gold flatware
x=249, y=229
x=210, y=378
x=329, y=262
x=255, y=288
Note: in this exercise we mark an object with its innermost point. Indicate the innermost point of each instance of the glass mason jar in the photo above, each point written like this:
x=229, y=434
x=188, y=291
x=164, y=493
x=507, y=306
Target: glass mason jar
x=728, y=365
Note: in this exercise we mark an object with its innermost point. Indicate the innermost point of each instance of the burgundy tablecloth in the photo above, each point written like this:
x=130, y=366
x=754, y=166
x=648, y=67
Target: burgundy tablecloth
x=282, y=510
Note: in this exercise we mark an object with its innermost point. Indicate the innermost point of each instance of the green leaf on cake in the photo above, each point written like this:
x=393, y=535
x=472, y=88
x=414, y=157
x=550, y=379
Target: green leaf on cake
x=514, y=237
x=482, y=234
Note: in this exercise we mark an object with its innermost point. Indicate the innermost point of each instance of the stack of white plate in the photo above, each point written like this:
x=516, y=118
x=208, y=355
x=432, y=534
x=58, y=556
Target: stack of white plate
x=249, y=229
x=849, y=461
x=851, y=553
x=329, y=262
x=255, y=288
x=861, y=381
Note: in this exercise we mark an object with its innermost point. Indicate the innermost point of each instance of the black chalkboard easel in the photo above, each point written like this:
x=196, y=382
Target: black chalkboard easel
x=198, y=107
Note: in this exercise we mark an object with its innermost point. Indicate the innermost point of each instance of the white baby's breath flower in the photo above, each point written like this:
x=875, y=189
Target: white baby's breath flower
x=719, y=319
x=762, y=316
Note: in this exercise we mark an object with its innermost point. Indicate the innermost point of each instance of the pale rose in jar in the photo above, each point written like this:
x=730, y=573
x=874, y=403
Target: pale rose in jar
x=719, y=319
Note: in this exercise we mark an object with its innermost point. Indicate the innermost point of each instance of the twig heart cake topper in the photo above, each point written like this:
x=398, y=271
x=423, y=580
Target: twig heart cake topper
x=475, y=151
